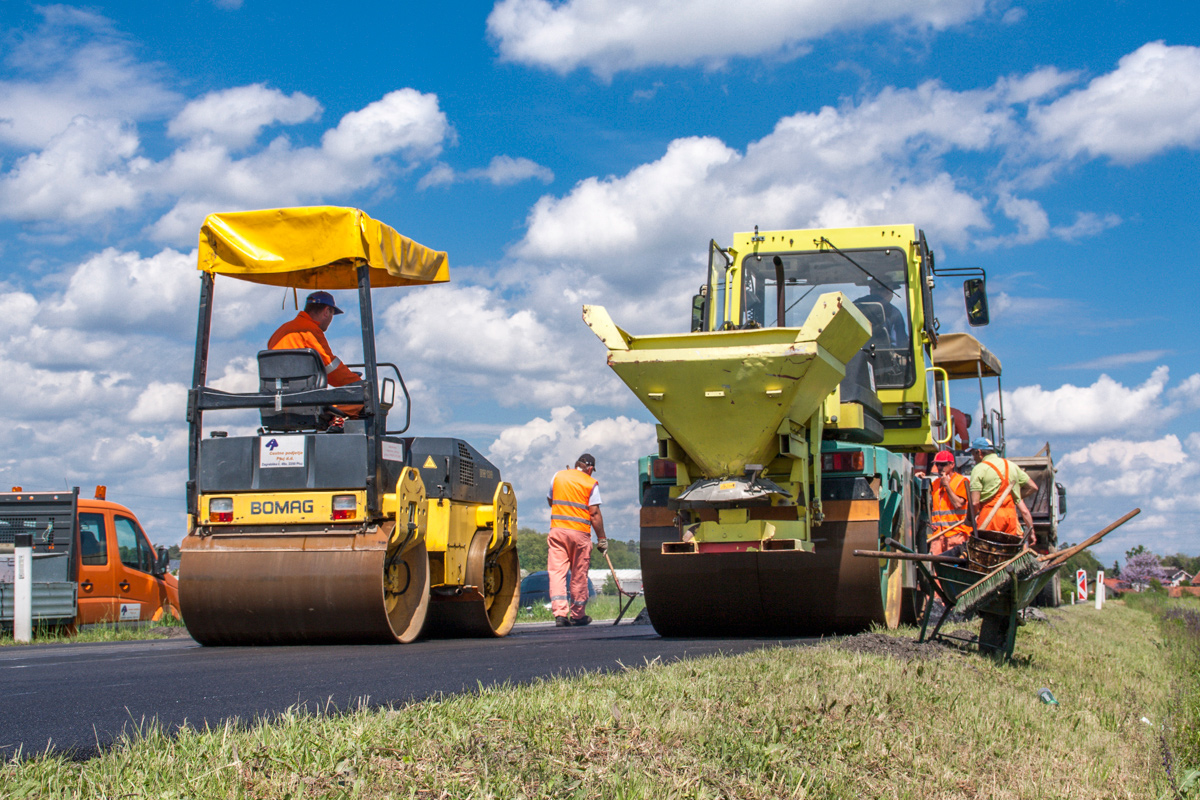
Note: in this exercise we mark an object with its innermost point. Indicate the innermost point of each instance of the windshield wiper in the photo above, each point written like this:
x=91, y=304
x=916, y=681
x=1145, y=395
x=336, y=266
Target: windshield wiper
x=864, y=270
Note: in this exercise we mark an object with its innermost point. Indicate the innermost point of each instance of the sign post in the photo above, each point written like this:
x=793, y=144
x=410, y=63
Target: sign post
x=1081, y=586
x=23, y=588
x=1099, y=589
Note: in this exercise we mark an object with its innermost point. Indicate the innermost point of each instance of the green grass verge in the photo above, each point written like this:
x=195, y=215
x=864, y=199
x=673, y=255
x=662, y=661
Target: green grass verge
x=1179, y=738
x=823, y=721
x=600, y=607
x=104, y=632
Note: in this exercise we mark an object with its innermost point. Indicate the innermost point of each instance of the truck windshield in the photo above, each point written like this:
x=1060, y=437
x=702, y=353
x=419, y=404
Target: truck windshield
x=875, y=280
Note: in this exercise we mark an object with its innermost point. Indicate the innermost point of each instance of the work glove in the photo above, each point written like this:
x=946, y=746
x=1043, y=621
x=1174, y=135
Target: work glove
x=602, y=545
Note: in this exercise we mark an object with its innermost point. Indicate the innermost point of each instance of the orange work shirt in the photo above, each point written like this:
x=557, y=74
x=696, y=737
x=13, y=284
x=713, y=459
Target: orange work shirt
x=304, y=332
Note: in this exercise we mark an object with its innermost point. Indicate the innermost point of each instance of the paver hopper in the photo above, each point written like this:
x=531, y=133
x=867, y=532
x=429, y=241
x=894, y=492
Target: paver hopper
x=312, y=532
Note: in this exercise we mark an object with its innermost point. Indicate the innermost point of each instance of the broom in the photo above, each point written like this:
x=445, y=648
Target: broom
x=1021, y=565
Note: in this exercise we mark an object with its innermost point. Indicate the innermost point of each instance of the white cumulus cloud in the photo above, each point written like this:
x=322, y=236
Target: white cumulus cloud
x=609, y=36
x=404, y=120
x=75, y=66
x=1147, y=105
x=234, y=117
x=501, y=171
x=529, y=454
x=1107, y=406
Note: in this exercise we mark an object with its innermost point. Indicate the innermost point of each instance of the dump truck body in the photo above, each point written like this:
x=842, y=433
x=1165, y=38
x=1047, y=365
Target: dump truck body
x=92, y=561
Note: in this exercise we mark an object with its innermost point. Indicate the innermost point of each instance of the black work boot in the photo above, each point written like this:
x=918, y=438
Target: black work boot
x=584, y=620
x=561, y=622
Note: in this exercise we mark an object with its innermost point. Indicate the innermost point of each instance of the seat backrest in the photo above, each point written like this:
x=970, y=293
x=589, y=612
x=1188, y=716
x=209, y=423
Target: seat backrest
x=288, y=372
x=875, y=314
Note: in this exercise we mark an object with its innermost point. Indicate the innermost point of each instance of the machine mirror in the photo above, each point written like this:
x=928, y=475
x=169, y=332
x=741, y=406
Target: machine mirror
x=699, y=307
x=387, y=394
x=163, y=562
x=1062, y=500
x=975, y=292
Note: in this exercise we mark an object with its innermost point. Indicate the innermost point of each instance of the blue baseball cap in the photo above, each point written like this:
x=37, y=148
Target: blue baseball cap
x=323, y=299
x=982, y=443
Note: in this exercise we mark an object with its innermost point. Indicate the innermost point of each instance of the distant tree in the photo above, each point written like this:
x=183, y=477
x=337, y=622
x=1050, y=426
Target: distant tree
x=531, y=549
x=1144, y=568
x=1116, y=570
x=1137, y=551
x=1189, y=564
x=624, y=555
x=1083, y=560
x=608, y=588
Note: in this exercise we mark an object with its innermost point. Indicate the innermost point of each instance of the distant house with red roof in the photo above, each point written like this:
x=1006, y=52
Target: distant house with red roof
x=1180, y=577
x=1115, y=586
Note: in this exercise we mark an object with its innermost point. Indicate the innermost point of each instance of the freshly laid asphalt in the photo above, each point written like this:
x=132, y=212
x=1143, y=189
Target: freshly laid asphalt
x=80, y=698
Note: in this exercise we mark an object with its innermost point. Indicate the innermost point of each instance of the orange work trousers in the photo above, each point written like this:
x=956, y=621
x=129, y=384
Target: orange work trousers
x=956, y=536
x=568, y=550
x=1005, y=519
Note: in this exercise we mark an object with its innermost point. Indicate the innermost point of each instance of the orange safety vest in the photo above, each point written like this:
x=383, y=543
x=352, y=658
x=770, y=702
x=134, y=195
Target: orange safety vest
x=946, y=518
x=303, y=332
x=1005, y=518
x=569, y=496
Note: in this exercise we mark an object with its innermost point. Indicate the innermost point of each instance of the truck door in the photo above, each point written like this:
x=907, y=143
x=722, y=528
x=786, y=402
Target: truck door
x=138, y=591
x=97, y=586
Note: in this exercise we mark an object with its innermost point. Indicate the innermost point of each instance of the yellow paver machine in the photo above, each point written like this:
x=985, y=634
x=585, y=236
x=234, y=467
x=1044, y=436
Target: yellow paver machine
x=306, y=531
x=790, y=418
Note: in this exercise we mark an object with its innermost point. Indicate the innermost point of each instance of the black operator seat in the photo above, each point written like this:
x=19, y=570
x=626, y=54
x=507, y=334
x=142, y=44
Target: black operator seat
x=288, y=372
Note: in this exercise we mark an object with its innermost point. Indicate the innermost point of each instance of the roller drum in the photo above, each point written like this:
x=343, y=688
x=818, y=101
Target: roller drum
x=487, y=605
x=302, y=588
x=775, y=593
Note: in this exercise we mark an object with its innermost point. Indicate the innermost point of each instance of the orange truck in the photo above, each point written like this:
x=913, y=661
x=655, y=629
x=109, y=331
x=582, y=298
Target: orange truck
x=92, y=561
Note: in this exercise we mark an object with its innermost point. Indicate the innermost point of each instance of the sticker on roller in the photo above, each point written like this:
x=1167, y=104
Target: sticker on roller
x=393, y=451
x=281, y=451
x=131, y=612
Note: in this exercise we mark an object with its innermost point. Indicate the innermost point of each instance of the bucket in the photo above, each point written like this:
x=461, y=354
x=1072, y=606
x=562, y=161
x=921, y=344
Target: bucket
x=988, y=549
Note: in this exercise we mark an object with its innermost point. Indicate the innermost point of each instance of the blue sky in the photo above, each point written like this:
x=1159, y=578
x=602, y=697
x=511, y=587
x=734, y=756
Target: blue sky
x=586, y=151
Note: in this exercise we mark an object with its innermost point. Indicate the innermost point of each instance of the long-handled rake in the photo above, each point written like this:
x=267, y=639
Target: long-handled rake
x=621, y=592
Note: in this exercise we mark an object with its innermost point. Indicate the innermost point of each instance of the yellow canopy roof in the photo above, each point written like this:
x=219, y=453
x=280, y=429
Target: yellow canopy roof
x=961, y=355
x=315, y=247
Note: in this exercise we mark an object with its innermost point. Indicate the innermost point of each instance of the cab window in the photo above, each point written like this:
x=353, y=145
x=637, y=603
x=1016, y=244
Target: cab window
x=135, y=550
x=93, y=539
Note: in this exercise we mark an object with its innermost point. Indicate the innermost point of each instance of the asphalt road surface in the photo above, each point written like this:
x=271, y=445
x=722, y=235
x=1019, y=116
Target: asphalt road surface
x=79, y=698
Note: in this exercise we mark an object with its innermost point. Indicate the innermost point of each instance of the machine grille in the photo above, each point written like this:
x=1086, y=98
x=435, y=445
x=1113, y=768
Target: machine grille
x=11, y=525
x=466, y=470
x=464, y=451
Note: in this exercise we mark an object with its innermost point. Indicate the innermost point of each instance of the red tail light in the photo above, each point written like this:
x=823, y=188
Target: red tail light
x=220, y=509
x=345, y=506
x=842, y=462
x=662, y=468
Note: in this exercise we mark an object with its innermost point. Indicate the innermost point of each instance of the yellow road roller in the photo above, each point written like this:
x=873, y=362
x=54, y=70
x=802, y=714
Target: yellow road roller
x=328, y=523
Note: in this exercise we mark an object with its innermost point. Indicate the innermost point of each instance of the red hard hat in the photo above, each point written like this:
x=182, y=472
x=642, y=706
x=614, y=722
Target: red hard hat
x=944, y=457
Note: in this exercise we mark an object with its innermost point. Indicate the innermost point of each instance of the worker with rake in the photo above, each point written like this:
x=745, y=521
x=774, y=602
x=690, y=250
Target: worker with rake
x=998, y=487
x=574, y=510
